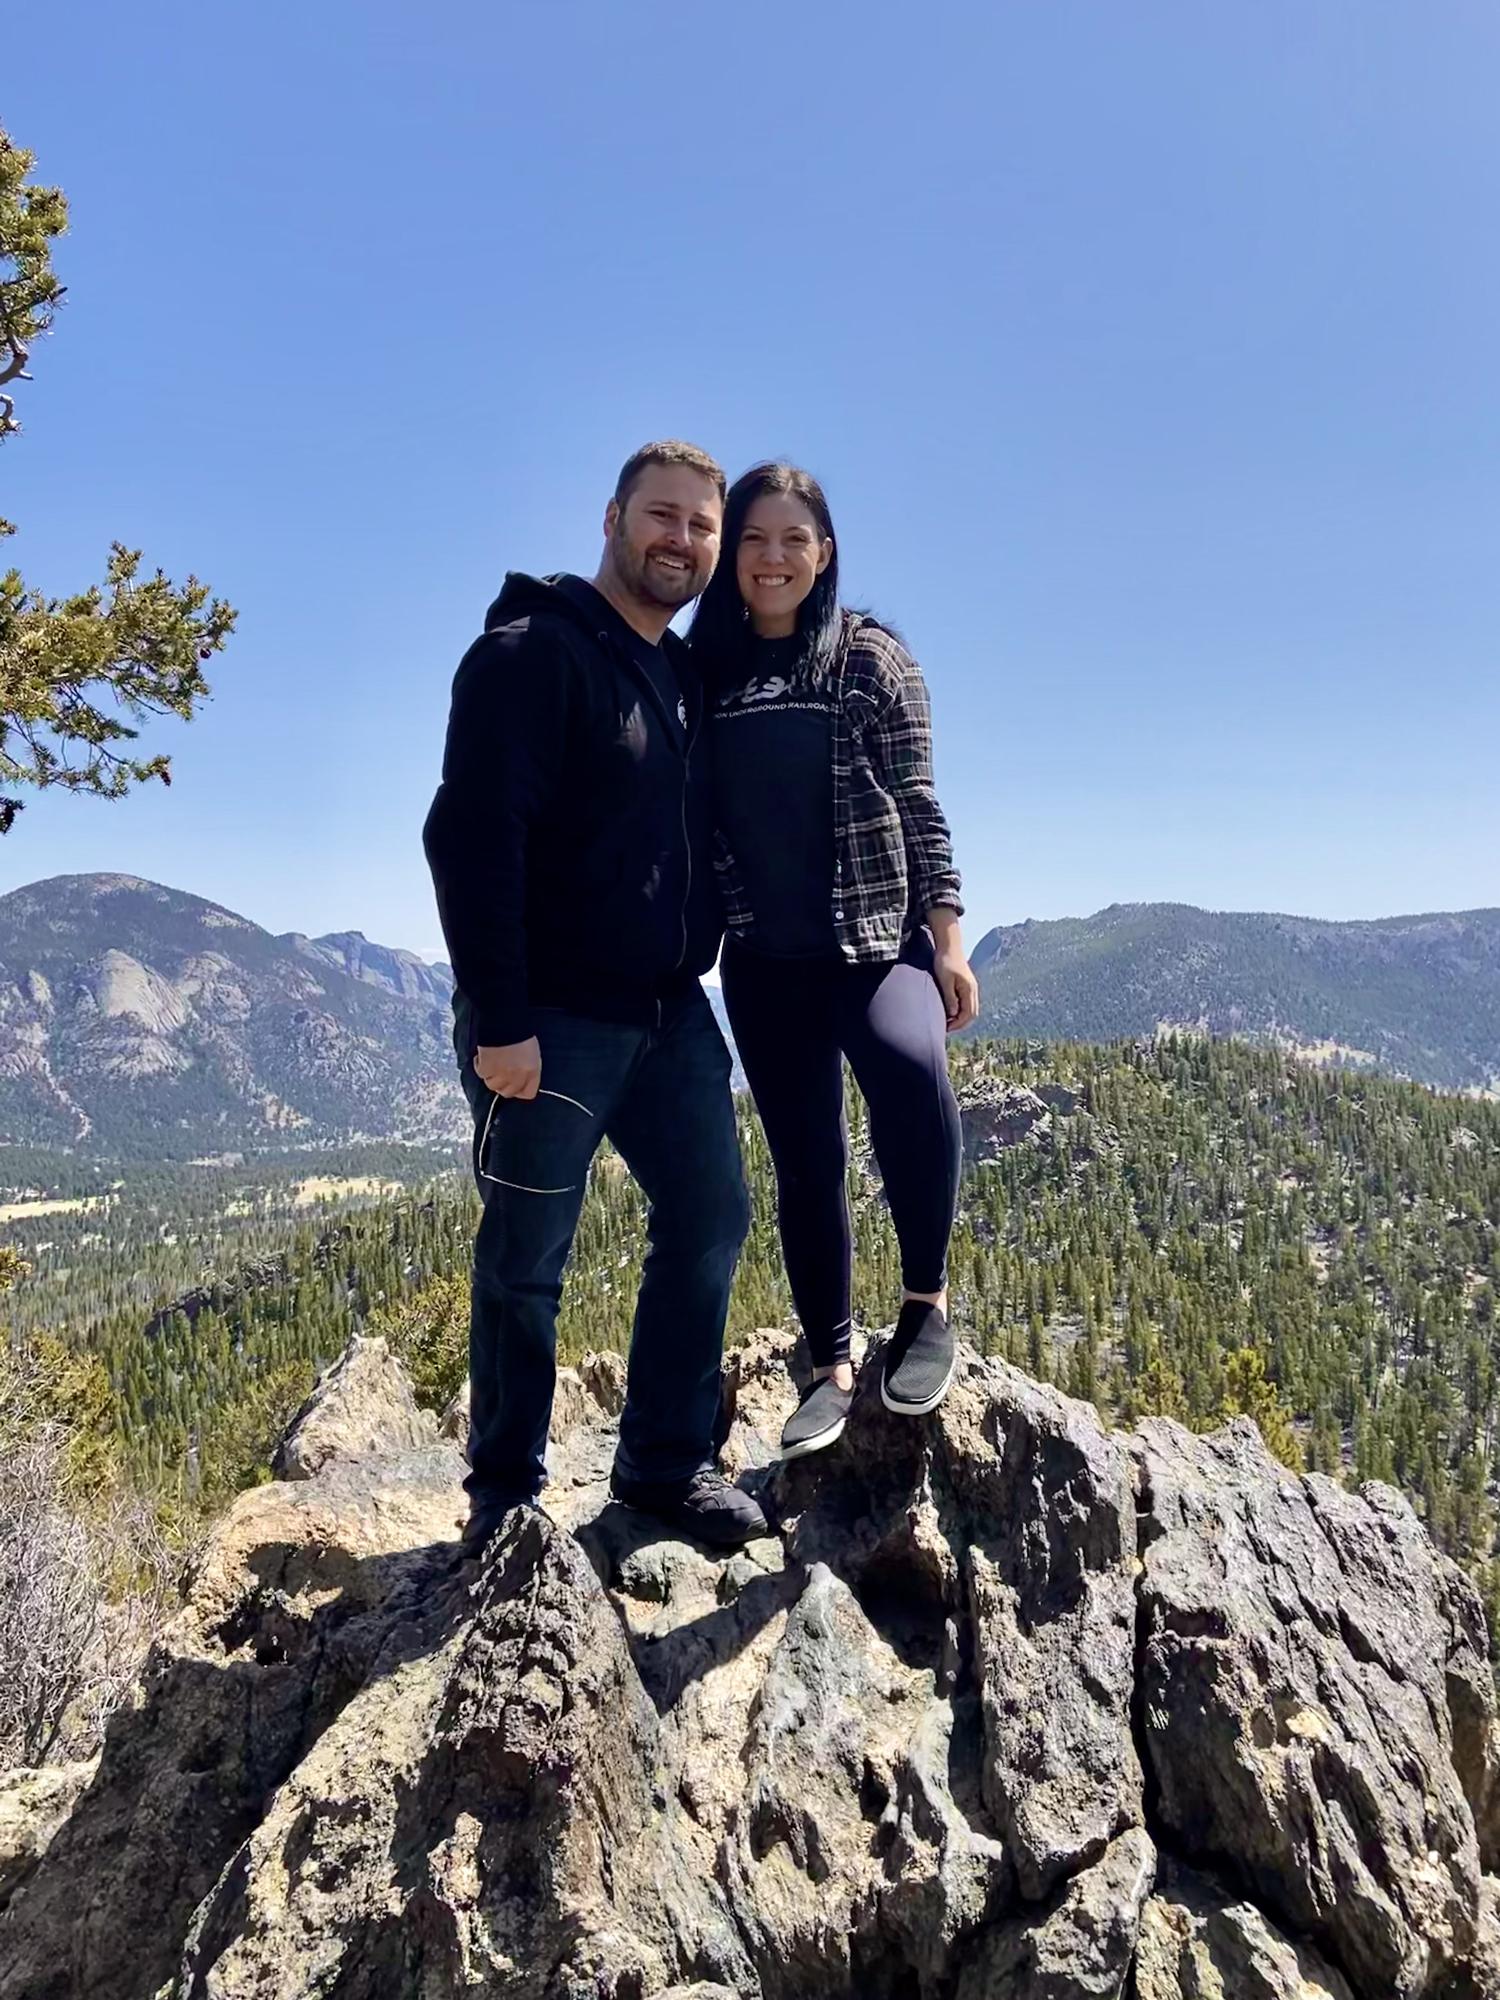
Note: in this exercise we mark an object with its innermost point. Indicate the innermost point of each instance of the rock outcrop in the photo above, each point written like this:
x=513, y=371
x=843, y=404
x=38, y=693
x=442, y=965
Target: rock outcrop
x=1196, y=1940
x=362, y=1407
x=1294, y=1683
x=1011, y=1707
x=33, y=1806
x=997, y=1116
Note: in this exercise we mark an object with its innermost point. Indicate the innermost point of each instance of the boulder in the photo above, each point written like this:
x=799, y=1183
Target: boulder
x=996, y=1543
x=482, y=1814
x=603, y=1376
x=1300, y=1643
x=360, y=1407
x=287, y=1607
x=454, y=1422
x=1081, y=1946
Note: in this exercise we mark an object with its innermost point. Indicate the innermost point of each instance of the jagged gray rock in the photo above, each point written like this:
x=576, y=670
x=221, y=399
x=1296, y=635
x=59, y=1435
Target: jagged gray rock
x=998, y=1541
x=1196, y=1940
x=942, y=1738
x=1299, y=1649
x=998, y=1115
x=454, y=1421
x=1079, y=1949
x=593, y=1390
x=34, y=1805
x=359, y=1408
x=604, y=1377
x=822, y=1848
x=289, y=1604
x=521, y=1732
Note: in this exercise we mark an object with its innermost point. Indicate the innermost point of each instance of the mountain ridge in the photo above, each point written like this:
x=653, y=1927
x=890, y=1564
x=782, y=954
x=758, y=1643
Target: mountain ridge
x=1418, y=995
x=387, y=966
x=141, y=1019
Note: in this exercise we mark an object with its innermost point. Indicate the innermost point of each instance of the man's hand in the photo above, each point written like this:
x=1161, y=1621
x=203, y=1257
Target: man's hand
x=512, y=1071
x=958, y=986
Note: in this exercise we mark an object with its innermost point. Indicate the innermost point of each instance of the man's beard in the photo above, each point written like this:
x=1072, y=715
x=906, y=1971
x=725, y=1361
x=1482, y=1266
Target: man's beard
x=653, y=585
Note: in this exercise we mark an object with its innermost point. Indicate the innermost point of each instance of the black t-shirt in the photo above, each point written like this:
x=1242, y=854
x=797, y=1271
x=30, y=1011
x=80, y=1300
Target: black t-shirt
x=773, y=794
x=668, y=688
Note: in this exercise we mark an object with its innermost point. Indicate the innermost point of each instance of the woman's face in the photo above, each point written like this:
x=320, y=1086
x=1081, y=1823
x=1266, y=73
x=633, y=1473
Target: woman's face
x=780, y=557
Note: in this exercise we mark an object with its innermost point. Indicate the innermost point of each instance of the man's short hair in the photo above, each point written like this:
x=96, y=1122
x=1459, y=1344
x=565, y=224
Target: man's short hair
x=670, y=451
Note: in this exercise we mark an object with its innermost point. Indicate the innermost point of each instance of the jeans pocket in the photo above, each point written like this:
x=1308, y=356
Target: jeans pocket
x=537, y=1145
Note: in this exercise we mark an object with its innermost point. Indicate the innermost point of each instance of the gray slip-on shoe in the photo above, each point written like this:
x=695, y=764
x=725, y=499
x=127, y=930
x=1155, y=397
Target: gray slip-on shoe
x=919, y=1360
x=818, y=1420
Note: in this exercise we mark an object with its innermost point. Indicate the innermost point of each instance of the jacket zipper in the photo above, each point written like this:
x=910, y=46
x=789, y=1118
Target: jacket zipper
x=687, y=894
x=689, y=738
x=687, y=897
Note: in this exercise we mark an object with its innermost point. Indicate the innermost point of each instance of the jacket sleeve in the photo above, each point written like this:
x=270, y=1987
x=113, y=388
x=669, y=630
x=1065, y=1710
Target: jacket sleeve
x=502, y=766
x=901, y=743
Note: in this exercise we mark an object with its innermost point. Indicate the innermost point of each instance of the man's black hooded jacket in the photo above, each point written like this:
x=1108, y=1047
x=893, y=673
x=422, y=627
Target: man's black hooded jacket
x=569, y=840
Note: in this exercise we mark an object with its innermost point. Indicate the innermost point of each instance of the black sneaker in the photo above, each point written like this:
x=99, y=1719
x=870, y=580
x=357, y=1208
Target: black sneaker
x=919, y=1361
x=818, y=1419
x=485, y=1517
x=705, y=1507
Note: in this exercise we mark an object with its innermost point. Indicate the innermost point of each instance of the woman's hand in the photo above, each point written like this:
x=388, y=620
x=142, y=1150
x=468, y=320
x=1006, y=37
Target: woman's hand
x=958, y=986
x=950, y=968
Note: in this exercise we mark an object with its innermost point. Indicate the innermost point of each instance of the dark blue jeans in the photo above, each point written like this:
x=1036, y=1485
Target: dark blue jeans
x=661, y=1096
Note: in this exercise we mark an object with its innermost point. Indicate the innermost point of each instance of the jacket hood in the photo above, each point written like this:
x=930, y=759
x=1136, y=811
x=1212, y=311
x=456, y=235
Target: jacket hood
x=521, y=596
x=564, y=596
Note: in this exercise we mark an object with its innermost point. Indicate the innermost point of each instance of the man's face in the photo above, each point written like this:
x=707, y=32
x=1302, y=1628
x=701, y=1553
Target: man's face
x=664, y=542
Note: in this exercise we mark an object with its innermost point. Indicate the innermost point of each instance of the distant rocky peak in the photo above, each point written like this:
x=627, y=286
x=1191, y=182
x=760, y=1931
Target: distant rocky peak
x=223, y=1032
x=395, y=971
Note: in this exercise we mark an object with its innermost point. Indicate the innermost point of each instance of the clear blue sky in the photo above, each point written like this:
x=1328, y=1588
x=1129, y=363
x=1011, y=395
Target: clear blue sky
x=1148, y=353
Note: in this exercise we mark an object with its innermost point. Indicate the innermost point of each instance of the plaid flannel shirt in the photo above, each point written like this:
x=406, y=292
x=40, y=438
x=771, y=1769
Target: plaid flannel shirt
x=893, y=855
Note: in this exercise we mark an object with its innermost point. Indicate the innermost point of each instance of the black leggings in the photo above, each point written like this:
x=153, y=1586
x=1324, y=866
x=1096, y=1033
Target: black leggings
x=792, y=1020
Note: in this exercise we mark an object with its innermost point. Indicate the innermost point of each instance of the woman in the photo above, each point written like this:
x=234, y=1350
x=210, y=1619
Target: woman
x=842, y=908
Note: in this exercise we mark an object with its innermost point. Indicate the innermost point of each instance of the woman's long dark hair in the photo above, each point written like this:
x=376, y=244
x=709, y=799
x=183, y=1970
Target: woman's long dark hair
x=721, y=634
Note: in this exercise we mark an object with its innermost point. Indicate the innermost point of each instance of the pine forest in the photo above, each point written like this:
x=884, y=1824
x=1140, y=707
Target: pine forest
x=1175, y=1226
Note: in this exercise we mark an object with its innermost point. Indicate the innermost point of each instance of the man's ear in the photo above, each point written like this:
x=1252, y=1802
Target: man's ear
x=611, y=519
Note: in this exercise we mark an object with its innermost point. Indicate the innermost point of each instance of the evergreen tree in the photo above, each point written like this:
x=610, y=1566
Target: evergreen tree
x=79, y=673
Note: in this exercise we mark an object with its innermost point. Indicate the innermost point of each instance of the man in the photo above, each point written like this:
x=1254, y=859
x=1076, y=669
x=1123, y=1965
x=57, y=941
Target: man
x=569, y=845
